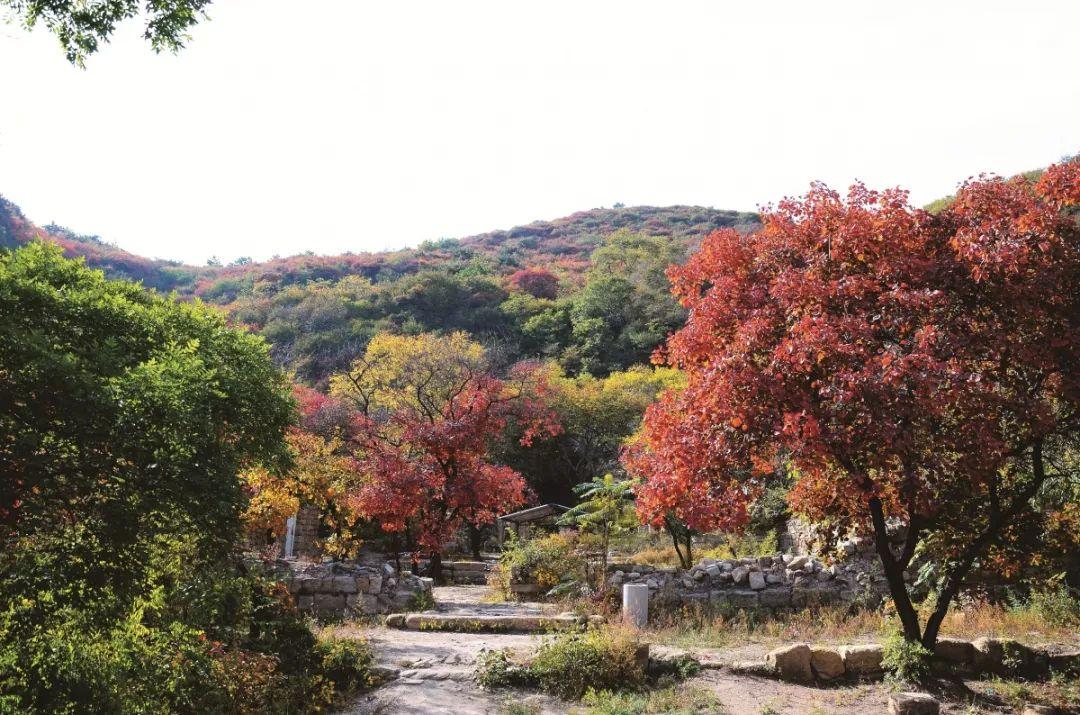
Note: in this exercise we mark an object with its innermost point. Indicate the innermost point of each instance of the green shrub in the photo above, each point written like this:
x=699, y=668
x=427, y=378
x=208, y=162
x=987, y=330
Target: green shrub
x=1056, y=605
x=549, y=561
x=495, y=669
x=603, y=659
x=905, y=661
x=347, y=663
x=569, y=664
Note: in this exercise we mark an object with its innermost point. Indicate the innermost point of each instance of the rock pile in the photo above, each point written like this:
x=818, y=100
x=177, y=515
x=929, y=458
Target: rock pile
x=782, y=581
x=339, y=589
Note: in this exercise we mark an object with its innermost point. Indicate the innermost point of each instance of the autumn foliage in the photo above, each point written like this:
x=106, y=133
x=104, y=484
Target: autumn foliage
x=428, y=410
x=905, y=366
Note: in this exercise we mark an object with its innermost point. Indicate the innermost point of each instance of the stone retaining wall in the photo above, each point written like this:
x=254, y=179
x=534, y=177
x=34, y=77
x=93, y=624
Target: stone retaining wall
x=777, y=582
x=343, y=589
x=802, y=662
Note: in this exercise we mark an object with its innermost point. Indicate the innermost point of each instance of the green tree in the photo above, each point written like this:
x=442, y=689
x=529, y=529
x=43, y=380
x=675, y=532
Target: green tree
x=626, y=309
x=124, y=421
x=606, y=509
x=82, y=25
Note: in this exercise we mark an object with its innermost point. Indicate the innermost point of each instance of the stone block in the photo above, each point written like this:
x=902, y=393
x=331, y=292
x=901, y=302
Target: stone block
x=329, y=602
x=374, y=584
x=826, y=663
x=740, y=574
x=791, y=662
x=862, y=660
x=1067, y=662
x=775, y=598
x=720, y=598
x=955, y=651
x=713, y=570
x=305, y=603
x=797, y=563
x=757, y=580
x=743, y=599
x=773, y=578
x=345, y=584
x=913, y=704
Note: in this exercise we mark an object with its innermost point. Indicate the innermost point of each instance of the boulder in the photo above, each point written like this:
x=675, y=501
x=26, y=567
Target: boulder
x=1067, y=662
x=797, y=563
x=826, y=663
x=862, y=660
x=1008, y=657
x=740, y=574
x=791, y=662
x=955, y=651
x=913, y=704
x=757, y=580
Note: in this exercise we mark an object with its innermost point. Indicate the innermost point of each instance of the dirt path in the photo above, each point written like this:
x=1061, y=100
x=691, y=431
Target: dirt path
x=435, y=673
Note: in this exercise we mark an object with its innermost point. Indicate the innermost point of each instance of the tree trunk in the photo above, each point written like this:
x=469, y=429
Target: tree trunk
x=476, y=540
x=894, y=574
x=435, y=568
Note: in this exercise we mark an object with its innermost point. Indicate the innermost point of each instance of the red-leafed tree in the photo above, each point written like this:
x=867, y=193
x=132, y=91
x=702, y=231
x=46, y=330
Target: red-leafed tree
x=537, y=282
x=429, y=409
x=909, y=368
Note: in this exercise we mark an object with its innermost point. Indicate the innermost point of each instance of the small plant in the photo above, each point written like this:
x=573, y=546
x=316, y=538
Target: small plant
x=549, y=562
x=422, y=601
x=347, y=663
x=494, y=669
x=905, y=661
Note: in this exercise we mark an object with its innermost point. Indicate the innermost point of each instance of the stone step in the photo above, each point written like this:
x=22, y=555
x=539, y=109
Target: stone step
x=468, y=623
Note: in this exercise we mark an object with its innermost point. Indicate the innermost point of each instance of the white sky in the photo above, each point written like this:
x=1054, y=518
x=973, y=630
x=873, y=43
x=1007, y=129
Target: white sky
x=332, y=125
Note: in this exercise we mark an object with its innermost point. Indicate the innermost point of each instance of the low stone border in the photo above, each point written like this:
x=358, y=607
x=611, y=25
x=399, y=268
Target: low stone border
x=802, y=662
x=468, y=623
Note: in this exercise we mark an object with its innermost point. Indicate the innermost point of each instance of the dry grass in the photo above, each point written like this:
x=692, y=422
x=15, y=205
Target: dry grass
x=696, y=627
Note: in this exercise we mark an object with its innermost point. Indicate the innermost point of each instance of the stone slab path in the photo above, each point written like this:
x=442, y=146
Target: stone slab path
x=479, y=601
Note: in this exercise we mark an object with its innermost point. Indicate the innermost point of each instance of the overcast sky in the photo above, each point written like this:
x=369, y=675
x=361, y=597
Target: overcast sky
x=336, y=125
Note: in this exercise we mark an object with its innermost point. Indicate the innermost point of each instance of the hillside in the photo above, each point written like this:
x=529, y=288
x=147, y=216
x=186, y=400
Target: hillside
x=603, y=304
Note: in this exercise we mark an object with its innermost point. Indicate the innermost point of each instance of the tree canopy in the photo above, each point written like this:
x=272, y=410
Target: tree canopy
x=82, y=26
x=910, y=367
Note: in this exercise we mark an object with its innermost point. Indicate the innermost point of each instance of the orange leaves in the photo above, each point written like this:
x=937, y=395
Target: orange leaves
x=844, y=335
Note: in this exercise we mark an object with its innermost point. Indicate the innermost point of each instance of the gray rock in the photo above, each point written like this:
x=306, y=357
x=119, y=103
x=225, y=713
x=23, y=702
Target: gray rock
x=757, y=580
x=913, y=704
x=713, y=570
x=773, y=578
x=775, y=598
x=740, y=574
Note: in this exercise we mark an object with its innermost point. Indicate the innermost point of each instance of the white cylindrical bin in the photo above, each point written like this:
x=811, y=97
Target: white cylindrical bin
x=635, y=603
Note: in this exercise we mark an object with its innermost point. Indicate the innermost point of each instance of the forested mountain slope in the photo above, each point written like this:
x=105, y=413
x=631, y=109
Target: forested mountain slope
x=588, y=289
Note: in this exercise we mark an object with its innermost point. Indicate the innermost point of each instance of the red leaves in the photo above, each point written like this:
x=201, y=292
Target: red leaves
x=882, y=349
x=433, y=472
x=537, y=282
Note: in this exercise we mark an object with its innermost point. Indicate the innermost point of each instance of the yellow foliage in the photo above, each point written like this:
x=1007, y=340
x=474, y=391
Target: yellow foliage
x=418, y=372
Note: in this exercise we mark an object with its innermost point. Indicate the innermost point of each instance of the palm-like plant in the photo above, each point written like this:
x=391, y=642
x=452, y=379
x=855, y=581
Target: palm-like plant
x=605, y=508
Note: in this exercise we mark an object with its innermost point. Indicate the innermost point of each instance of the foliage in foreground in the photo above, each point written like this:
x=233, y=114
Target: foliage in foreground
x=124, y=421
x=570, y=664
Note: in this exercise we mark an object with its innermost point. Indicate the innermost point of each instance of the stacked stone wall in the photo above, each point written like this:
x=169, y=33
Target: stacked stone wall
x=778, y=582
x=344, y=589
